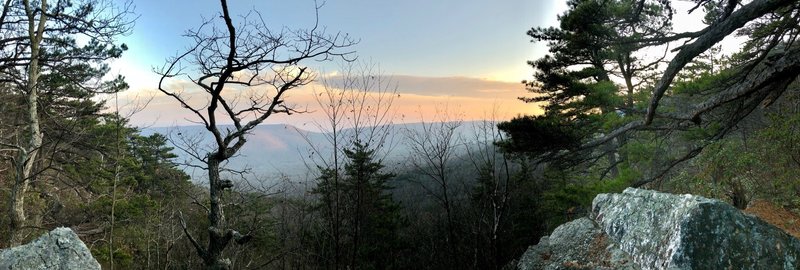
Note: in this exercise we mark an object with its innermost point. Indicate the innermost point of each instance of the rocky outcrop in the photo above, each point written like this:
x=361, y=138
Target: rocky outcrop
x=642, y=229
x=579, y=244
x=58, y=249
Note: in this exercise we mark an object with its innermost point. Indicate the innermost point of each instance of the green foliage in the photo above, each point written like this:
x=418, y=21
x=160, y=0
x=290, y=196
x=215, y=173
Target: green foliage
x=595, y=41
x=104, y=166
x=122, y=258
x=569, y=194
x=358, y=207
x=540, y=134
x=755, y=164
x=573, y=83
x=111, y=154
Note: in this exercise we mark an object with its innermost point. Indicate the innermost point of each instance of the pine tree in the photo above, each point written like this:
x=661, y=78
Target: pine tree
x=370, y=219
x=595, y=41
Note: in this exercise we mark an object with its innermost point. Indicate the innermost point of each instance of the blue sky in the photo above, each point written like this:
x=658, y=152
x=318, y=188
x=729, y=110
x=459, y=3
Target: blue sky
x=439, y=47
x=470, y=55
x=484, y=39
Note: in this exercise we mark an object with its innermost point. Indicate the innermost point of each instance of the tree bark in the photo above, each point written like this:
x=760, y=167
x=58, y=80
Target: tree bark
x=217, y=237
x=27, y=155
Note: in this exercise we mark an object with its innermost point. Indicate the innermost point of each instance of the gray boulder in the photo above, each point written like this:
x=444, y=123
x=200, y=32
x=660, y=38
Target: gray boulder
x=642, y=229
x=58, y=249
x=579, y=244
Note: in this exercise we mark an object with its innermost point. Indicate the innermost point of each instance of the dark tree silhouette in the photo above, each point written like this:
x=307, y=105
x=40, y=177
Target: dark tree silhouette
x=225, y=62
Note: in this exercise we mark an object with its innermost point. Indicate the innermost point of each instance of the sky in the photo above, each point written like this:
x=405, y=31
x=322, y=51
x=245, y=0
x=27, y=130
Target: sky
x=465, y=55
x=468, y=56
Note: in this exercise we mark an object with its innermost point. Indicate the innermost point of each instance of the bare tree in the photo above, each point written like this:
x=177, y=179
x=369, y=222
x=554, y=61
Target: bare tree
x=357, y=106
x=433, y=150
x=492, y=192
x=225, y=63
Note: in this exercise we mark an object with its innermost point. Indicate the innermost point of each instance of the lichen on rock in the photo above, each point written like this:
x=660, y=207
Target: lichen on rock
x=59, y=249
x=579, y=244
x=651, y=230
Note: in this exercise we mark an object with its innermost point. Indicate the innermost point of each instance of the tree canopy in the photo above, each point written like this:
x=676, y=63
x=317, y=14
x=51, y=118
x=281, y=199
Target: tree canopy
x=597, y=95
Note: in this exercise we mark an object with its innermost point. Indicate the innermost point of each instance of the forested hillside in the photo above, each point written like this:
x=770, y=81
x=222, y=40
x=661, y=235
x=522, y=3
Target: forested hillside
x=626, y=101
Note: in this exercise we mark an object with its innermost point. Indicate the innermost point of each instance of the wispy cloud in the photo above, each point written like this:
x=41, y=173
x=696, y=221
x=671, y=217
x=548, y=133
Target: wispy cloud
x=459, y=86
x=449, y=86
x=418, y=96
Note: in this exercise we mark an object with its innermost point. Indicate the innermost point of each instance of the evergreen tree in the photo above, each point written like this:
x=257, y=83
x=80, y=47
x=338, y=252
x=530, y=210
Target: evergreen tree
x=53, y=78
x=370, y=219
x=596, y=40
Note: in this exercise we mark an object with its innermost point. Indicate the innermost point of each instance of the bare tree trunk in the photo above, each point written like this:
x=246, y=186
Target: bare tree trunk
x=337, y=201
x=356, y=223
x=451, y=235
x=17, y=207
x=27, y=155
x=611, y=156
x=216, y=217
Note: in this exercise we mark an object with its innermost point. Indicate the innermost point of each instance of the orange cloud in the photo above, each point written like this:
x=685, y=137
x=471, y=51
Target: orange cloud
x=419, y=97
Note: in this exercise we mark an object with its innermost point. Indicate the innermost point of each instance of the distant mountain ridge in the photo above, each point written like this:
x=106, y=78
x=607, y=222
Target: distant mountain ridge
x=270, y=149
x=273, y=150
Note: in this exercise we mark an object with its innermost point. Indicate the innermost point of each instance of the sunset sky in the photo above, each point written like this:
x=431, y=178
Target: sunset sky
x=467, y=55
